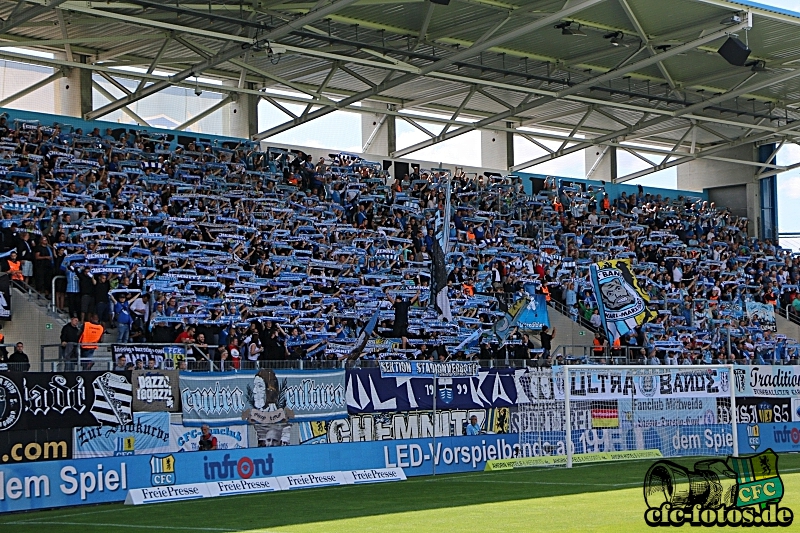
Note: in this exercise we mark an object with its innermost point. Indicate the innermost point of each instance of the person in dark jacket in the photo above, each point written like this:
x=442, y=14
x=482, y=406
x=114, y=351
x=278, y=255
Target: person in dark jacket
x=70, y=336
x=18, y=361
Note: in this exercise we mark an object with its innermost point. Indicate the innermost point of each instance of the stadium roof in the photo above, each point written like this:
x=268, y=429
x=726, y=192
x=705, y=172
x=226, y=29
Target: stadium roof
x=614, y=72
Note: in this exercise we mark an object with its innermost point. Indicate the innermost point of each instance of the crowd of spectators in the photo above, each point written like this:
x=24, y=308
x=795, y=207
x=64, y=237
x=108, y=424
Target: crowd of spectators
x=245, y=255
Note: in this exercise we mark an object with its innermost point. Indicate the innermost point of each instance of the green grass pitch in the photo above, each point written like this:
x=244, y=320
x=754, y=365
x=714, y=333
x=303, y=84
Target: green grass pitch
x=598, y=497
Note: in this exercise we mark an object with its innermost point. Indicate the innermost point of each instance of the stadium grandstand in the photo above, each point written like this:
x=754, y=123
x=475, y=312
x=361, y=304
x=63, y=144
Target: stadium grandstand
x=181, y=270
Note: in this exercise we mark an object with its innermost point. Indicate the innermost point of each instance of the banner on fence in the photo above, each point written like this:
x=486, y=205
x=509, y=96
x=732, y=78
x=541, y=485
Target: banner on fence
x=368, y=392
x=44, y=400
x=656, y=412
x=187, y=439
x=156, y=390
x=310, y=395
x=762, y=313
x=217, y=398
x=612, y=384
x=164, y=356
x=147, y=433
x=754, y=410
x=766, y=381
x=407, y=425
x=35, y=445
x=429, y=369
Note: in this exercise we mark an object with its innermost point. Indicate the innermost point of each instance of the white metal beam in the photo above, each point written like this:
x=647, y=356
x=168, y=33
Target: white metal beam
x=24, y=15
x=228, y=53
x=449, y=60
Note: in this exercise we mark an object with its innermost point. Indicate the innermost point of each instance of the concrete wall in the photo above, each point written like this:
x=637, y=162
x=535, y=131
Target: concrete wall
x=497, y=149
x=788, y=328
x=709, y=174
x=569, y=332
x=28, y=325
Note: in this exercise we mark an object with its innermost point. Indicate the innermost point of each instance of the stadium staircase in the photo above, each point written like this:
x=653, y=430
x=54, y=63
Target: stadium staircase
x=33, y=322
x=572, y=338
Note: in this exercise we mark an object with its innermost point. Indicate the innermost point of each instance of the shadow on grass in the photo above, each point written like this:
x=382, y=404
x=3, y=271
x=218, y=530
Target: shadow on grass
x=266, y=511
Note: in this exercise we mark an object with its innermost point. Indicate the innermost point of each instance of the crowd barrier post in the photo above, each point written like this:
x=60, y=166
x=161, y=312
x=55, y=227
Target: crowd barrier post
x=567, y=416
x=435, y=392
x=54, y=307
x=734, y=428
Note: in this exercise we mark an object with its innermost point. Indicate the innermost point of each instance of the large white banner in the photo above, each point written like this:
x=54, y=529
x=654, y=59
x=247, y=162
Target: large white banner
x=186, y=439
x=612, y=384
x=770, y=380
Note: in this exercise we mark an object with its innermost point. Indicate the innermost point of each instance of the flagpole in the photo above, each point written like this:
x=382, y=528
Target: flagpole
x=446, y=218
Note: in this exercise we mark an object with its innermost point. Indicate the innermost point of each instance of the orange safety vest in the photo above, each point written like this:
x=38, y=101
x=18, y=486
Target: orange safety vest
x=598, y=346
x=91, y=334
x=469, y=290
x=15, y=270
x=606, y=204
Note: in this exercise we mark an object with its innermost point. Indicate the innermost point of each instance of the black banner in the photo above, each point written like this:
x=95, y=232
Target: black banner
x=156, y=390
x=763, y=410
x=44, y=400
x=5, y=297
x=35, y=445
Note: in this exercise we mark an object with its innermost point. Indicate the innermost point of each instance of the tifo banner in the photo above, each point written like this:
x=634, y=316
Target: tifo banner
x=368, y=392
x=187, y=439
x=611, y=384
x=44, y=400
x=35, y=445
x=216, y=397
x=5, y=297
x=407, y=425
x=507, y=323
x=429, y=369
x=164, y=356
x=156, y=390
x=771, y=380
x=764, y=314
x=311, y=395
x=760, y=437
x=534, y=316
x=147, y=433
x=622, y=303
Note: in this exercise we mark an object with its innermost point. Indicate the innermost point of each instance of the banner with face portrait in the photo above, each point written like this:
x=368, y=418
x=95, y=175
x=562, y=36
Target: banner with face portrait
x=622, y=303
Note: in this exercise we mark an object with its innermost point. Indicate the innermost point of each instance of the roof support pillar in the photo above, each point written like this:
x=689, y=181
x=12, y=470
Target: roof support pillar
x=497, y=148
x=73, y=92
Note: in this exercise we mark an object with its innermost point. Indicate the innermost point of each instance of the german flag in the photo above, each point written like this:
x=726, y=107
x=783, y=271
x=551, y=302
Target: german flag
x=605, y=418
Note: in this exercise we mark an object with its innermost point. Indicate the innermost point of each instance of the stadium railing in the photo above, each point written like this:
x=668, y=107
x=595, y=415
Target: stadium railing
x=102, y=359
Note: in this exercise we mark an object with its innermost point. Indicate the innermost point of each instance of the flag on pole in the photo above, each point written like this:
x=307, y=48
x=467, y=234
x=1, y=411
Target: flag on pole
x=441, y=301
x=620, y=299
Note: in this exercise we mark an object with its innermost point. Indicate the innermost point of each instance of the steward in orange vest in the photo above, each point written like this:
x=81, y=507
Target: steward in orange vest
x=92, y=332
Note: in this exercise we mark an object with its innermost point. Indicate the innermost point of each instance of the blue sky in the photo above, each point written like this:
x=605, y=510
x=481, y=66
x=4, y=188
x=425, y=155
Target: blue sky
x=342, y=131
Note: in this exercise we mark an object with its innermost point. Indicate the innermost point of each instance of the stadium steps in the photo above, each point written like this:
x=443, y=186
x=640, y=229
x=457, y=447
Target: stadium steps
x=33, y=324
x=787, y=327
x=571, y=336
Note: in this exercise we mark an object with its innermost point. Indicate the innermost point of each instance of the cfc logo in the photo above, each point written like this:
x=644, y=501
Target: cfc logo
x=162, y=470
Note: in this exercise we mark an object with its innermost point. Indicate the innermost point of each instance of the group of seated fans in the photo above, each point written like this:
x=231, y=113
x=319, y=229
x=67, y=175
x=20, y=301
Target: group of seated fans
x=244, y=255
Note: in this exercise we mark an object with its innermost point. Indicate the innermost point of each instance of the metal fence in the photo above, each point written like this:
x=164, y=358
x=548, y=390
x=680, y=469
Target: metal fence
x=58, y=358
